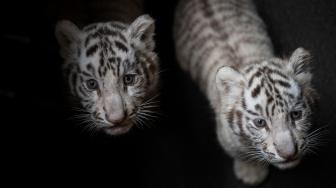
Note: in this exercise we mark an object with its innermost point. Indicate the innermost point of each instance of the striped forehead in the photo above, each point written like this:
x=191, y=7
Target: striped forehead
x=113, y=37
x=111, y=30
x=106, y=49
x=269, y=89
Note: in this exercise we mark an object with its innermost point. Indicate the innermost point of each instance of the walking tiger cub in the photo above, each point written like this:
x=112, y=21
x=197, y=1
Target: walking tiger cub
x=262, y=103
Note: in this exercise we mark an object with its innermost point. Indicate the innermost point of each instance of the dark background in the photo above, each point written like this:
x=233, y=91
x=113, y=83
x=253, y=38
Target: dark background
x=41, y=146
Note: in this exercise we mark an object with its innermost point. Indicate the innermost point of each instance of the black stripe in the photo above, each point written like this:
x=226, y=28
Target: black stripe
x=255, y=75
x=278, y=73
x=256, y=91
x=118, y=26
x=285, y=102
x=276, y=91
x=112, y=59
x=90, y=28
x=91, y=50
x=268, y=95
x=243, y=102
x=101, y=61
x=267, y=111
x=122, y=37
x=82, y=91
x=251, y=112
x=106, y=31
x=269, y=100
x=207, y=11
x=283, y=83
x=281, y=104
x=89, y=37
x=121, y=46
x=231, y=118
x=240, y=121
x=276, y=64
x=86, y=74
x=118, y=66
x=101, y=71
x=258, y=108
x=273, y=109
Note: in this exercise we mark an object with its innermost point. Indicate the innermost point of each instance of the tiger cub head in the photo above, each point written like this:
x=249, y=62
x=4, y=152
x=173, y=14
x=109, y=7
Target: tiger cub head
x=112, y=69
x=268, y=106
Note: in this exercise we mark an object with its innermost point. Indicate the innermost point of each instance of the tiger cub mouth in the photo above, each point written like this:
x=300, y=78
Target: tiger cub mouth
x=118, y=129
x=288, y=164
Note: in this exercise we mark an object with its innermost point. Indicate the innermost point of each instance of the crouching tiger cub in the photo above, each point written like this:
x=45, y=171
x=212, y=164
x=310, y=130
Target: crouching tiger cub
x=111, y=68
x=262, y=103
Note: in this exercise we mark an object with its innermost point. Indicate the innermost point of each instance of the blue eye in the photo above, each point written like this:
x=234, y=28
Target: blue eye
x=129, y=79
x=260, y=123
x=296, y=115
x=92, y=84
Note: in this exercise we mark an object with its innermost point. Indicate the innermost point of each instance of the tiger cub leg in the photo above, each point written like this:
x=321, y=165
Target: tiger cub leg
x=250, y=173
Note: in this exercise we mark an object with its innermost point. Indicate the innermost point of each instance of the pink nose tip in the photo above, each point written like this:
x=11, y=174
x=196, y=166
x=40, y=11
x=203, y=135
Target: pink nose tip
x=115, y=119
x=288, y=155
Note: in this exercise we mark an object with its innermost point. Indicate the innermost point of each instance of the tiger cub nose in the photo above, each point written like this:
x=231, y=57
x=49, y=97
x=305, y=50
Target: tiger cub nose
x=289, y=153
x=116, y=117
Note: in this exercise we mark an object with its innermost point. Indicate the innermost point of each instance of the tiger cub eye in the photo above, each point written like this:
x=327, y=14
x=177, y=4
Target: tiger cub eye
x=260, y=123
x=92, y=84
x=296, y=115
x=129, y=79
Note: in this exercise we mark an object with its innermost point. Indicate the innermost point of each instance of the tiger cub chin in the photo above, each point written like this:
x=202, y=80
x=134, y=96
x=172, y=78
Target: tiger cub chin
x=262, y=103
x=112, y=70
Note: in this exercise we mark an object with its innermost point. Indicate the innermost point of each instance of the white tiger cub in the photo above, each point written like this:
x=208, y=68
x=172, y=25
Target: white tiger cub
x=112, y=70
x=262, y=103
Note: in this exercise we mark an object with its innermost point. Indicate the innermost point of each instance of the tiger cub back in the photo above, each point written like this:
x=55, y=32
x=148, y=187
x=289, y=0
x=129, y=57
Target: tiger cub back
x=262, y=103
x=207, y=31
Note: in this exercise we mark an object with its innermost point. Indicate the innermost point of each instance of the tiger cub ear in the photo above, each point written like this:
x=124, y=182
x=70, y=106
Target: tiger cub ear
x=68, y=37
x=228, y=79
x=142, y=29
x=298, y=65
